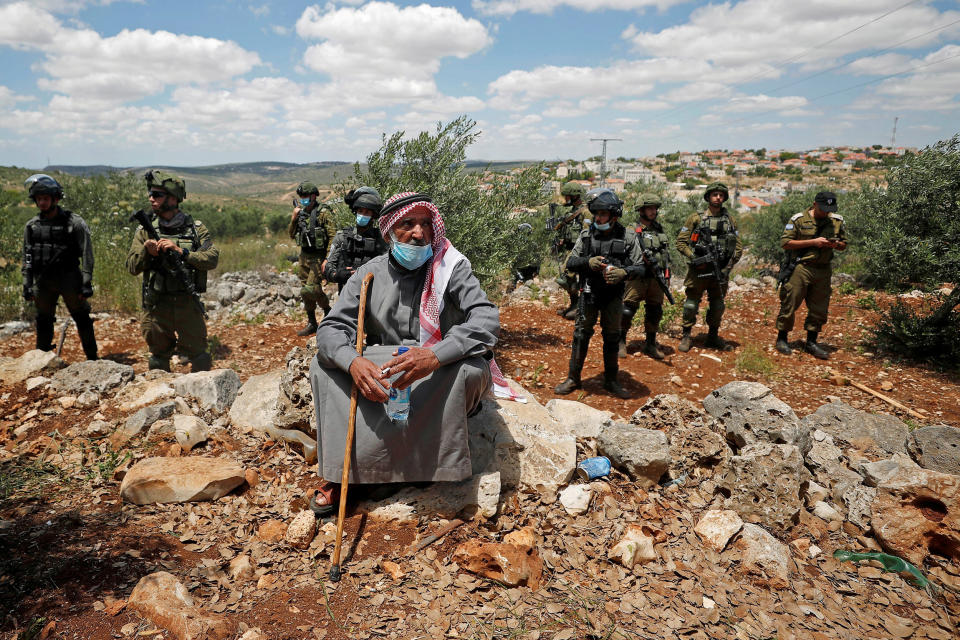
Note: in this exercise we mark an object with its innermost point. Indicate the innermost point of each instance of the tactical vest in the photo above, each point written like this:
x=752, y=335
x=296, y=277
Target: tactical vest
x=569, y=233
x=723, y=235
x=613, y=247
x=359, y=249
x=656, y=242
x=51, y=242
x=163, y=281
x=318, y=244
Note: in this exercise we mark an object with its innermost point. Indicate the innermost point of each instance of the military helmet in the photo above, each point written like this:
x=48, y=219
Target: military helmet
x=169, y=182
x=40, y=184
x=364, y=198
x=307, y=188
x=604, y=200
x=573, y=189
x=648, y=199
x=716, y=186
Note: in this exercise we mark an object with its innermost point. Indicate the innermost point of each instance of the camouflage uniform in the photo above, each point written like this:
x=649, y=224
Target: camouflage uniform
x=654, y=239
x=810, y=281
x=700, y=278
x=311, y=259
x=173, y=320
x=58, y=261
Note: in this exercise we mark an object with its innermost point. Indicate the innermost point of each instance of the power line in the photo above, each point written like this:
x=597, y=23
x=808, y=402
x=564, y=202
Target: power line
x=784, y=63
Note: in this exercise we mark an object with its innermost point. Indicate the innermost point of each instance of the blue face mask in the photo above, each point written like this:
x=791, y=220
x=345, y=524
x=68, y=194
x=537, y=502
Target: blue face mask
x=304, y=202
x=362, y=221
x=411, y=256
x=602, y=227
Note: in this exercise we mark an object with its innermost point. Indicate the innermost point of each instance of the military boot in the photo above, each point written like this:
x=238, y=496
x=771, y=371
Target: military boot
x=570, y=313
x=782, y=345
x=578, y=355
x=156, y=362
x=87, y=338
x=811, y=346
x=202, y=362
x=714, y=341
x=611, y=367
x=567, y=386
x=686, y=341
x=45, y=332
x=311, y=327
x=651, y=348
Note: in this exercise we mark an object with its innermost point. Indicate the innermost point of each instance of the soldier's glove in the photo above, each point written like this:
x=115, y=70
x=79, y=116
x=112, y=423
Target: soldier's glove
x=86, y=290
x=637, y=271
x=700, y=250
x=596, y=262
x=27, y=292
x=614, y=275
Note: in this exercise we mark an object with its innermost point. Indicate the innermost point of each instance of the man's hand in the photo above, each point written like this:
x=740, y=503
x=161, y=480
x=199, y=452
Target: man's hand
x=152, y=247
x=822, y=243
x=86, y=290
x=614, y=275
x=597, y=263
x=370, y=382
x=166, y=244
x=27, y=292
x=416, y=363
x=296, y=212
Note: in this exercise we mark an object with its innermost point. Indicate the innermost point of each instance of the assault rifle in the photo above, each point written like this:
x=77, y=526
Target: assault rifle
x=710, y=254
x=787, y=266
x=170, y=260
x=660, y=275
x=303, y=219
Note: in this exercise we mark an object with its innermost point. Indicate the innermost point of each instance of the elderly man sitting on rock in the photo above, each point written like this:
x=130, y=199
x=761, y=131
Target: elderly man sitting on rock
x=425, y=297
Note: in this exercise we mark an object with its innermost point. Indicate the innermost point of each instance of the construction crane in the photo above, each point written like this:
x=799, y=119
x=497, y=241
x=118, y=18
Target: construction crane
x=603, y=161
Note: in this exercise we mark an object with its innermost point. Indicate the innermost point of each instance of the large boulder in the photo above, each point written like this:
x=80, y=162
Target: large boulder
x=166, y=602
x=876, y=473
x=31, y=364
x=763, y=556
x=750, y=413
x=256, y=404
x=828, y=464
x=697, y=443
x=101, y=376
x=294, y=406
x=644, y=454
x=523, y=442
x=191, y=479
x=581, y=420
x=144, y=418
x=848, y=425
x=916, y=513
x=213, y=390
x=763, y=484
x=479, y=494
x=936, y=448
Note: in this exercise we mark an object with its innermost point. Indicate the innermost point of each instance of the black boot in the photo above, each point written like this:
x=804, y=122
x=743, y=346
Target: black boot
x=650, y=348
x=782, y=345
x=811, y=346
x=686, y=341
x=311, y=327
x=578, y=354
x=45, y=332
x=714, y=341
x=156, y=362
x=87, y=339
x=570, y=313
x=611, y=367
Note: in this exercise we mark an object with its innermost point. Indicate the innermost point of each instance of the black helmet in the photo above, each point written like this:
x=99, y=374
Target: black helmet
x=40, y=184
x=604, y=200
x=364, y=198
x=307, y=188
x=716, y=186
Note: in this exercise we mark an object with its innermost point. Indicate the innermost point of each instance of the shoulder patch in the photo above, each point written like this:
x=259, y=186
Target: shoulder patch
x=796, y=216
x=199, y=223
x=789, y=226
x=836, y=216
x=682, y=229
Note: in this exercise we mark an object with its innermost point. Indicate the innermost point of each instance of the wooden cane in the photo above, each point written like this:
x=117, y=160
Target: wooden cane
x=351, y=429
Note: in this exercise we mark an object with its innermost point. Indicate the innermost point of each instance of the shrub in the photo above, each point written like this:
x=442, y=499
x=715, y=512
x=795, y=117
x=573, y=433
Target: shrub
x=930, y=334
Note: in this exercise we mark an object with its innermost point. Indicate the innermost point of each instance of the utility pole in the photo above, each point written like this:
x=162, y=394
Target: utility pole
x=893, y=138
x=603, y=162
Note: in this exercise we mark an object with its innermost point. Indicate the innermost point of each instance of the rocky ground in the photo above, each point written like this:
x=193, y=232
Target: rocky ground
x=140, y=504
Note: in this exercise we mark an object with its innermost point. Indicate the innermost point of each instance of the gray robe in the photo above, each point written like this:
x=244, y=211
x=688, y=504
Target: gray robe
x=434, y=445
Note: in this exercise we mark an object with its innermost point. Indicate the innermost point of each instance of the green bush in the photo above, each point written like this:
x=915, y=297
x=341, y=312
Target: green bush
x=481, y=224
x=930, y=334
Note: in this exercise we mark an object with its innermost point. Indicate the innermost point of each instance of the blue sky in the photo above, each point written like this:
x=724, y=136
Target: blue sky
x=137, y=83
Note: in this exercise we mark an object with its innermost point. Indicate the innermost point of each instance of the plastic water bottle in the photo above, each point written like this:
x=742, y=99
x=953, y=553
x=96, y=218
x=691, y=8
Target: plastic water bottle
x=398, y=404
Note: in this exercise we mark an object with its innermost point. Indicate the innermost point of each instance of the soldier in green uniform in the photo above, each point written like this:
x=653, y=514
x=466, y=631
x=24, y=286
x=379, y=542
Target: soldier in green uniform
x=311, y=225
x=648, y=242
x=566, y=231
x=173, y=317
x=57, y=261
x=356, y=246
x=601, y=257
x=810, y=237
x=711, y=243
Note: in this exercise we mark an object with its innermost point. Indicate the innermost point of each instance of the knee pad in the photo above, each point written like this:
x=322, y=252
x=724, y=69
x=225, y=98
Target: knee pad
x=310, y=291
x=690, y=306
x=630, y=310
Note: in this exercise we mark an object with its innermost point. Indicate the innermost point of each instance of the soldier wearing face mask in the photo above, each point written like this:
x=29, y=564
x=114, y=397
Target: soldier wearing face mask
x=311, y=226
x=355, y=246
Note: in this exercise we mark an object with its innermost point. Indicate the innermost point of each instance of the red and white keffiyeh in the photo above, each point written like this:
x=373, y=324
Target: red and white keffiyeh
x=445, y=258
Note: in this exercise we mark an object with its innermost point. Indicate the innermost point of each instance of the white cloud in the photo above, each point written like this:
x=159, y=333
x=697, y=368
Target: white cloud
x=280, y=30
x=642, y=105
x=510, y=7
x=23, y=26
x=9, y=98
x=392, y=51
x=878, y=65
x=763, y=103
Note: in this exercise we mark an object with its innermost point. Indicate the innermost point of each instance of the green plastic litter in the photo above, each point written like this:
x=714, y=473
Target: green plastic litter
x=890, y=563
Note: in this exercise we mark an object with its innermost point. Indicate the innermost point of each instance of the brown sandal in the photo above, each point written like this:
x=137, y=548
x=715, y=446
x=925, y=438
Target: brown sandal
x=325, y=499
